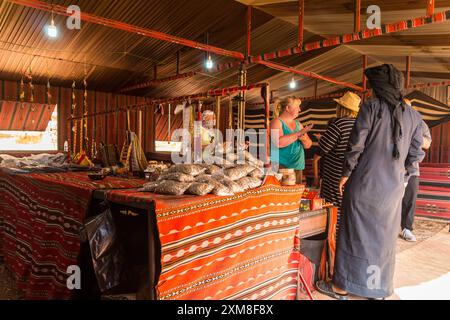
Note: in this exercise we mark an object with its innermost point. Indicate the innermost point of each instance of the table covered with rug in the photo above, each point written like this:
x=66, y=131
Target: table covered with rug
x=244, y=246
x=40, y=218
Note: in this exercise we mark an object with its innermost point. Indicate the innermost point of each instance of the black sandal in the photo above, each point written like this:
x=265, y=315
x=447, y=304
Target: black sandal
x=327, y=289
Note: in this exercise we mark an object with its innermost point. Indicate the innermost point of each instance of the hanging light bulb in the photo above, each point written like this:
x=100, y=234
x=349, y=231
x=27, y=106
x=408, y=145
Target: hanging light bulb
x=52, y=31
x=293, y=83
x=209, y=63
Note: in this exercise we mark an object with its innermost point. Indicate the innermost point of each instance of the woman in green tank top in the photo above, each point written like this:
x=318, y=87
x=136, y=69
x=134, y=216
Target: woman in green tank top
x=289, y=138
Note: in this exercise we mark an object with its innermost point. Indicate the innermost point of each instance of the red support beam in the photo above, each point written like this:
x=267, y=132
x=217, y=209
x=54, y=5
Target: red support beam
x=364, y=79
x=325, y=96
x=430, y=7
x=301, y=15
x=313, y=75
x=408, y=72
x=364, y=67
x=62, y=10
x=357, y=22
x=249, y=31
x=430, y=84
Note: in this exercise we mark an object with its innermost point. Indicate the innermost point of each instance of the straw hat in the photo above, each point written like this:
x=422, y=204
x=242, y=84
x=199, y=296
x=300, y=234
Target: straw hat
x=350, y=101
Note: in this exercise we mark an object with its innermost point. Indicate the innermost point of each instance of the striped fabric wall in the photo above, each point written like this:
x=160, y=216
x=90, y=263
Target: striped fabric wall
x=108, y=128
x=433, y=111
x=440, y=148
x=320, y=112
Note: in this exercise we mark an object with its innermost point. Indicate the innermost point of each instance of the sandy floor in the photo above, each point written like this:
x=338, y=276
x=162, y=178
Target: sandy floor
x=422, y=268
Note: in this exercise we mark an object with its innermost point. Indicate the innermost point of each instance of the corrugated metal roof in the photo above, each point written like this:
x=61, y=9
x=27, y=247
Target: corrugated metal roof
x=115, y=58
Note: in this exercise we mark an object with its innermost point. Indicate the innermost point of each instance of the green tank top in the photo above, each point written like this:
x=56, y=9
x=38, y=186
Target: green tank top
x=292, y=156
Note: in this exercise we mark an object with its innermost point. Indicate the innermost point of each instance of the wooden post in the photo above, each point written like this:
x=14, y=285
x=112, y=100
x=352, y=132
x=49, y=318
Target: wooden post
x=152, y=125
x=357, y=21
x=218, y=98
x=430, y=7
x=267, y=123
x=301, y=15
x=408, y=72
x=140, y=126
x=249, y=31
x=230, y=112
x=364, y=79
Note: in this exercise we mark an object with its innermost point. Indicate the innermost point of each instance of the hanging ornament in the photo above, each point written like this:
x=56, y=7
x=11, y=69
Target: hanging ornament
x=49, y=94
x=30, y=76
x=22, y=90
x=73, y=99
x=85, y=113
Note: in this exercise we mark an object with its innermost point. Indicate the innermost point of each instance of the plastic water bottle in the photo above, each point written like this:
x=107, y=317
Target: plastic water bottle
x=66, y=146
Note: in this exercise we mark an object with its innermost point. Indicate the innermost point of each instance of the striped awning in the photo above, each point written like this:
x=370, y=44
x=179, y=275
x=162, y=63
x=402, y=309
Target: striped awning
x=320, y=112
x=433, y=111
x=24, y=116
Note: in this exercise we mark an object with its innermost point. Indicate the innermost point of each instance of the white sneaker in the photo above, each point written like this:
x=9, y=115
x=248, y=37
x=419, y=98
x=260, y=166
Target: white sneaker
x=407, y=235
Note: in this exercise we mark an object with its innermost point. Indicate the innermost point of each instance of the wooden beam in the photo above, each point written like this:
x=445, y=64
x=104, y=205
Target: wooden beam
x=364, y=79
x=301, y=15
x=430, y=7
x=364, y=67
x=408, y=72
x=267, y=123
x=357, y=22
x=249, y=31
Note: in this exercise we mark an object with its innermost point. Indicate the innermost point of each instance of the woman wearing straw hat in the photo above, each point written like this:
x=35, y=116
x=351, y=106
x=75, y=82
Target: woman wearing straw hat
x=289, y=138
x=332, y=147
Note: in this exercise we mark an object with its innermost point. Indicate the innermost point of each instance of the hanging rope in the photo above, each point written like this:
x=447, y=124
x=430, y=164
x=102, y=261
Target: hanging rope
x=85, y=146
x=49, y=93
x=72, y=115
x=22, y=90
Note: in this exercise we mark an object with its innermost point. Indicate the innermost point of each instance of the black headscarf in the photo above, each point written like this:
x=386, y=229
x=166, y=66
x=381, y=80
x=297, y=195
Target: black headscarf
x=388, y=82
